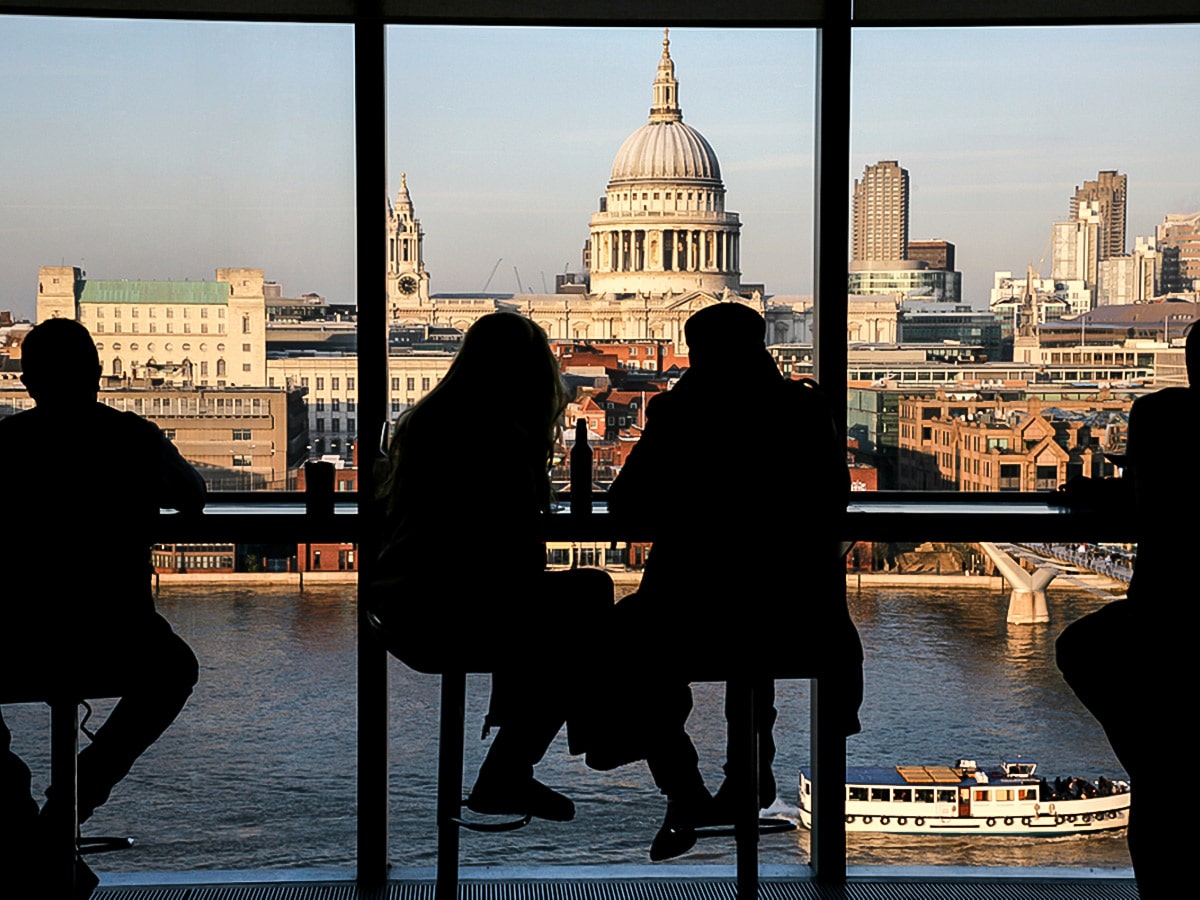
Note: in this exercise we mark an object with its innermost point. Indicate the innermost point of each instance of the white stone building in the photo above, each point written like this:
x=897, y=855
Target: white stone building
x=207, y=333
x=328, y=382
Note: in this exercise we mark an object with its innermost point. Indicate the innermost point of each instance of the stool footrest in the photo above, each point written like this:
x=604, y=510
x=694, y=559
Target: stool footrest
x=102, y=844
x=491, y=823
x=766, y=825
x=492, y=827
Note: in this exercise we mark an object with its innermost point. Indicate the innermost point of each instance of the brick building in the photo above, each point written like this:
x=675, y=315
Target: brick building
x=976, y=443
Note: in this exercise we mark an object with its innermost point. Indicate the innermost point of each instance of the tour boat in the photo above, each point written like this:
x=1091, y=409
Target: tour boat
x=965, y=799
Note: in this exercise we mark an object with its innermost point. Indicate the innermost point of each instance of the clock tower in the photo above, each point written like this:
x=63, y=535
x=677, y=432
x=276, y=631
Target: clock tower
x=407, y=280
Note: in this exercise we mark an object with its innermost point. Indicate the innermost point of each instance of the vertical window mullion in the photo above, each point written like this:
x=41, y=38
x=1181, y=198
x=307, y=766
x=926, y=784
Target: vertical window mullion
x=371, y=251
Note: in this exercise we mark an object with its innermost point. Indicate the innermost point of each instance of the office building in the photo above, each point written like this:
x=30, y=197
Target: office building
x=1178, y=239
x=880, y=217
x=1107, y=195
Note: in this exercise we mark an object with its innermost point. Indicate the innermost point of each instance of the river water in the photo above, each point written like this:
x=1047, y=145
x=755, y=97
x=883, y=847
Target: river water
x=259, y=769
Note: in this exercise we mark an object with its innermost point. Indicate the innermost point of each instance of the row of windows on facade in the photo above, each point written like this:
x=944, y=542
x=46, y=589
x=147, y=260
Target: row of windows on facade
x=335, y=383
x=190, y=561
x=118, y=366
x=151, y=311
x=335, y=405
x=190, y=406
x=335, y=425
x=99, y=328
x=116, y=345
x=667, y=196
x=410, y=383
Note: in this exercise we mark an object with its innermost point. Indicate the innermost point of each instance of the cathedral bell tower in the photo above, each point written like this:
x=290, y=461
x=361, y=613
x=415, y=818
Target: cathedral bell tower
x=407, y=280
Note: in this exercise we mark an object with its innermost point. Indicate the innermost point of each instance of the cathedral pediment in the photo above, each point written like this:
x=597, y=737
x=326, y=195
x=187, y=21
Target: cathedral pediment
x=690, y=302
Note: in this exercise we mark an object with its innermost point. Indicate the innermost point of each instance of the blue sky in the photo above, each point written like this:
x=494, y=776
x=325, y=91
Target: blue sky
x=165, y=150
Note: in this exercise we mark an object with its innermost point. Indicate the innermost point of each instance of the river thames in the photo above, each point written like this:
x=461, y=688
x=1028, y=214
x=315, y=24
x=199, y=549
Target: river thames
x=259, y=769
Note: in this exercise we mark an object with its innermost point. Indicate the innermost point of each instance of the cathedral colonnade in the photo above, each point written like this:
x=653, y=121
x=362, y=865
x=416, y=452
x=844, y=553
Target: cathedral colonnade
x=667, y=250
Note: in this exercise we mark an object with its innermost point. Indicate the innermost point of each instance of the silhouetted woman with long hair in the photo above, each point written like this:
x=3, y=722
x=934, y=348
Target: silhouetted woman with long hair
x=462, y=579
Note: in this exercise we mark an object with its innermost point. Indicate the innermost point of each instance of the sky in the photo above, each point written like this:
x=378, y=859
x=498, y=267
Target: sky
x=163, y=150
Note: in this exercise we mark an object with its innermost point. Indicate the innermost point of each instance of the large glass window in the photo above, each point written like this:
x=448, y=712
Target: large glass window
x=183, y=166
x=525, y=183
x=176, y=166
x=1003, y=212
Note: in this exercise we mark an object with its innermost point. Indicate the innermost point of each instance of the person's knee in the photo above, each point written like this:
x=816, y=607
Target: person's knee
x=177, y=667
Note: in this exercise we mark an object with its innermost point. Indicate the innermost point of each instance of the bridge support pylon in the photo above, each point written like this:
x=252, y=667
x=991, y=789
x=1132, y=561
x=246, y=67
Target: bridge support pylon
x=1027, y=602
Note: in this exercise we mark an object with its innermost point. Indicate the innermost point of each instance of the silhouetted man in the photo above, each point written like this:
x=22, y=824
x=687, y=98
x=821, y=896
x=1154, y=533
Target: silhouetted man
x=740, y=480
x=1130, y=662
x=83, y=485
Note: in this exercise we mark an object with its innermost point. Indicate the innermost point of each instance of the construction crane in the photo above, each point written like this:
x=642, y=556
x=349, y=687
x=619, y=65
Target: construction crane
x=493, y=272
x=1045, y=253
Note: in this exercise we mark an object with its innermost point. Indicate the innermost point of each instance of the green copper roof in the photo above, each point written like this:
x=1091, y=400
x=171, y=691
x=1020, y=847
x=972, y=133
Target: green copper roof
x=149, y=292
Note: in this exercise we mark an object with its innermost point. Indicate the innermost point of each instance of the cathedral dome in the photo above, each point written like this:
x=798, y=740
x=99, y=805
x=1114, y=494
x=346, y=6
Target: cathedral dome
x=662, y=227
x=667, y=150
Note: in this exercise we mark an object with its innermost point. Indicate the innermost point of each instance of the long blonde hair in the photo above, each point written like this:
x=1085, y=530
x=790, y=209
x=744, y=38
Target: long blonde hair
x=505, y=357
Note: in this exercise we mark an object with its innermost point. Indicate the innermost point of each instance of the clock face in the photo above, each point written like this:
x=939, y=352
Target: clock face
x=408, y=284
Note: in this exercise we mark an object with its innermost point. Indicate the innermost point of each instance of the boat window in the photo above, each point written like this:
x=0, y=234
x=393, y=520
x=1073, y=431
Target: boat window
x=882, y=794
x=1005, y=795
x=946, y=796
x=924, y=795
x=856, y=793
x=1028, y=793
x=902, y=795
x=982, y=795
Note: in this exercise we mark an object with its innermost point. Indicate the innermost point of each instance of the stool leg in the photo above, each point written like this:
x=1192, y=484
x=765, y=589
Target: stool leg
x=743, y=763
x=449, y=788
x=829, y=787
x=64, y=828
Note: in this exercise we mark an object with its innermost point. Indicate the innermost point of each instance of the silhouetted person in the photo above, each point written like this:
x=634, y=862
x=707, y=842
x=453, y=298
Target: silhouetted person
x=83, y=485
x=740, y=480
x=1130, y=662
x=462, y=580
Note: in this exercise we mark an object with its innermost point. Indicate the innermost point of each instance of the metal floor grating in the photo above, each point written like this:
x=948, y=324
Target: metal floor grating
x=650, y=889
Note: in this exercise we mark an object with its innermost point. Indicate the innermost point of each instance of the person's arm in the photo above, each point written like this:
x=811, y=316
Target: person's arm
x=180, y=485
x=632, y=495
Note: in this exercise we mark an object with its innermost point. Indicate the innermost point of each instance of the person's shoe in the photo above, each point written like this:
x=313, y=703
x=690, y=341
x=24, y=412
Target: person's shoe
x=528, y=797
x=677, y=834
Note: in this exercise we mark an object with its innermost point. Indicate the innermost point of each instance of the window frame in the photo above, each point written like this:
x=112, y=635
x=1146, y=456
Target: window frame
x=834, y=23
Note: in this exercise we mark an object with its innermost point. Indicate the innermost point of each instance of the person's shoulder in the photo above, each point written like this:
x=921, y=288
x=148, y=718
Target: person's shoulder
x=805, y=394
x=1169, y=395
x=1165, y=402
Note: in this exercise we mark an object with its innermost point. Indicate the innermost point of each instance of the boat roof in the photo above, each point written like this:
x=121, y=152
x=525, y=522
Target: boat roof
x=900, y=776
x=923, y=776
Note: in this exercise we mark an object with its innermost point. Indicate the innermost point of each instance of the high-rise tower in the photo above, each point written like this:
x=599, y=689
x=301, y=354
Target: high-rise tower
x=1108, y=193
x=881, y=213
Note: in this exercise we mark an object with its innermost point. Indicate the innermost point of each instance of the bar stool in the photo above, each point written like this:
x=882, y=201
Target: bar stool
x=450, y=801
x=63, y=828
x=744, y=762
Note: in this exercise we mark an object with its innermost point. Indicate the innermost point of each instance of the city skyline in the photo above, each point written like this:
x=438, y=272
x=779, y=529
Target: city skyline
x=157, y=151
